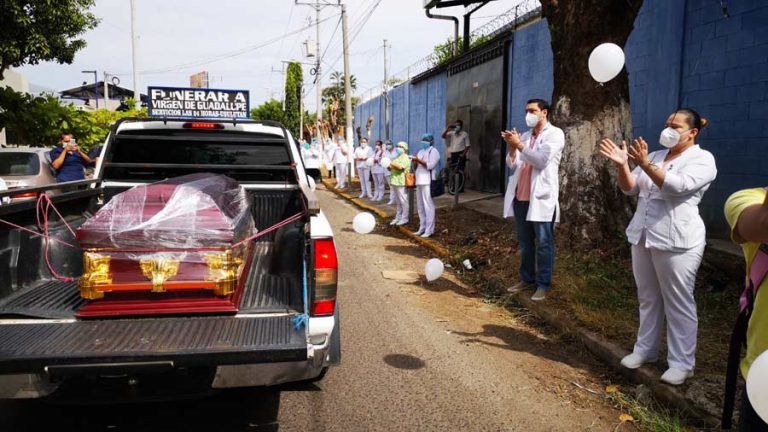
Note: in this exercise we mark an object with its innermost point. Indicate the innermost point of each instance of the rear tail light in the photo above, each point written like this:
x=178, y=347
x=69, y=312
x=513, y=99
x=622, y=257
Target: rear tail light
x=326, y=278
x=24, y=195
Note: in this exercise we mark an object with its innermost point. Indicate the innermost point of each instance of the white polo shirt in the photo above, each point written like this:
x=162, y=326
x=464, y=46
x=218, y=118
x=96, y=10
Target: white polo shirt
x=458, y=141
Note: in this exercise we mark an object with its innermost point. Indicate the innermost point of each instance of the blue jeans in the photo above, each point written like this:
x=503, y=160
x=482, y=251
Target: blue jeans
x=537, y=246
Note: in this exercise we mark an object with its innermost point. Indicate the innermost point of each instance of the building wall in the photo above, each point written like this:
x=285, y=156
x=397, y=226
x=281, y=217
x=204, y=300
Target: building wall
x=680, y=53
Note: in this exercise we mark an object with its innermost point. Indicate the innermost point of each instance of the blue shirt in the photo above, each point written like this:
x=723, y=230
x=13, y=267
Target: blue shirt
x=73, y=167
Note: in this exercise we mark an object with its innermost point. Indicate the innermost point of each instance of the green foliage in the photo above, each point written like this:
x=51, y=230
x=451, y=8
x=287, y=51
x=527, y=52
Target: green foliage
x=40, y=121
x=293, y=82
x=269, y=110
x=444, y=51
x=43, y=30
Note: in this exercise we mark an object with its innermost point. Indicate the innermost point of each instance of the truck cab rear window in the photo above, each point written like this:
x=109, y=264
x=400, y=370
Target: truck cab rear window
x=199, y=152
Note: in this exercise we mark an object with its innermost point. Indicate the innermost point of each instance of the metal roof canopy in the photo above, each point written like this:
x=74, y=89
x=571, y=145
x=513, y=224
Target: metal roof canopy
x=438, y=4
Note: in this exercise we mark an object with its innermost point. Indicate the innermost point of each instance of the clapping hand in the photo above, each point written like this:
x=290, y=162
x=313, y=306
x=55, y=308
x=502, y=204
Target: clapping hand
x=639, y=152
x=618, y=154
x=511, y=137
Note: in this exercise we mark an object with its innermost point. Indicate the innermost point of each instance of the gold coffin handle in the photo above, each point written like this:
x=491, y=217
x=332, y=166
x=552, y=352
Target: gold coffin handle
x=159, y=270
x=95, y=272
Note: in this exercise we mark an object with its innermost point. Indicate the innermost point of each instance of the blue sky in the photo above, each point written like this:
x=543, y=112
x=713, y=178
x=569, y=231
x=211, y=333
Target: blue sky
x=175, y=36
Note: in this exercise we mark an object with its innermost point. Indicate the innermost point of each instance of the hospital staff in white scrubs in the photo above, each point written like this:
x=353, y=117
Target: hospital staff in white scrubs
x=340, y=162
x=391, y=153
x=362, y=153
x=667, y=236
x=377, y=171
x=426, y=163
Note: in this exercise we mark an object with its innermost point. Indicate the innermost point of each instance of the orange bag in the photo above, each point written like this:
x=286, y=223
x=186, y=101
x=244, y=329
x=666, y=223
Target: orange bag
x=410, y=180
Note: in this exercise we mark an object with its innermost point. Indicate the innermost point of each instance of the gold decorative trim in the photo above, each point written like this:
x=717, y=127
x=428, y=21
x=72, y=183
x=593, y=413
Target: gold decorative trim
x=223, y=269
x=159, y=270
x=95, y=272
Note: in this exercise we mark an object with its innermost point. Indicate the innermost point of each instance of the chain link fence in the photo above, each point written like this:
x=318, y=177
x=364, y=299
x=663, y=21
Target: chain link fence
x=507, y=21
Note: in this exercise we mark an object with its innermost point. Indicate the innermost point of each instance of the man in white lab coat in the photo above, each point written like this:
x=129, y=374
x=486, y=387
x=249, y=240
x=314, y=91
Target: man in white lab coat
x=532, y=195
x=426, y=161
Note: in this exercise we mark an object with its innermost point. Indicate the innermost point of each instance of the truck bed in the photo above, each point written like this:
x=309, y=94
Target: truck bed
x=263, y=293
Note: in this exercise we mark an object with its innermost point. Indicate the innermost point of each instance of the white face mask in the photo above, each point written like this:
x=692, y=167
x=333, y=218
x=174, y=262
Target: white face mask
x=669, y=137
x=531, y=119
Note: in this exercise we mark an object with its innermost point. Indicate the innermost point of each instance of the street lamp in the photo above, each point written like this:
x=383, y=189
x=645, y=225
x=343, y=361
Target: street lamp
x=95, y=84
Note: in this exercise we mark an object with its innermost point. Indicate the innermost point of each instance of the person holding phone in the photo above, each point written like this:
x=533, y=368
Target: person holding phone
x=68, y=160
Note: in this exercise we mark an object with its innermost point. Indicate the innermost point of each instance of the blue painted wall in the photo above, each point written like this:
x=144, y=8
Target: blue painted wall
x=680, y=53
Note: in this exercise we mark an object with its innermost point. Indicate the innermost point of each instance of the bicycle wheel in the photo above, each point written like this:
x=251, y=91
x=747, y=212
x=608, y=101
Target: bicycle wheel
x=451, y=183
x=458, y=181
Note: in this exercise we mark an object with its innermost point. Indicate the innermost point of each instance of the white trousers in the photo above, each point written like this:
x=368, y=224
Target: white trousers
x=391, y=194
x=341, y=175
x=426, y=209
x=665, y=283
x=365, y=181
x=401, y=199
x=378, y=181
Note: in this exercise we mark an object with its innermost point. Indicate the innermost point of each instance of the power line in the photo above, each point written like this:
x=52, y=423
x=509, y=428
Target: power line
x=229, y=54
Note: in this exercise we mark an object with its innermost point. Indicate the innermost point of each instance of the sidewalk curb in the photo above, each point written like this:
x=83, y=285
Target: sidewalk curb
x=608, y=352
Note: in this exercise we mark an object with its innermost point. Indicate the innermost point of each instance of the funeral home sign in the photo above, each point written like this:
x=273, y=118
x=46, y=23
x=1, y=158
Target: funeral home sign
x=198, y=103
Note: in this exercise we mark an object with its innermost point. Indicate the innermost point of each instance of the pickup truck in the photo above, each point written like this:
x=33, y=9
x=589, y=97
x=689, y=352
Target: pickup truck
x=286, y=327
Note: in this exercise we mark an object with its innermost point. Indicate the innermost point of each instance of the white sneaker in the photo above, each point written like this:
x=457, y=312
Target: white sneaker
x=361, y=196
x=419, y=232
x=539, y=295
x=634, y=361
x=370, y=197
x=426, y=235
x=395, y=222
x=402, y=223
x=675, y=376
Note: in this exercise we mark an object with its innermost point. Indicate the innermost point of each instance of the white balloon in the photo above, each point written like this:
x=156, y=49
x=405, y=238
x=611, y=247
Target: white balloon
x=434, y=269
x=757, y=385
x=605, y=62
x=369, y=162
x=363, y=223
x=385, y=162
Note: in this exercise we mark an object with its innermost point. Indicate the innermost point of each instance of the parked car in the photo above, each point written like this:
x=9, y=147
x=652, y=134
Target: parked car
x=25, y=167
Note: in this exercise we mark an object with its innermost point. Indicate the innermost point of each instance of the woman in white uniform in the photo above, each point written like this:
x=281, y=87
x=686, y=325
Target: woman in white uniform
x=362, y=153
x=377, y=171
x=426, y=161
x=667, y=236
x=391, y=154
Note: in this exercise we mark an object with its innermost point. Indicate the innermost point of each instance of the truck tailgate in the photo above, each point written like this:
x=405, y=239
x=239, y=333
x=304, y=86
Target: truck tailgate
x=180, y=341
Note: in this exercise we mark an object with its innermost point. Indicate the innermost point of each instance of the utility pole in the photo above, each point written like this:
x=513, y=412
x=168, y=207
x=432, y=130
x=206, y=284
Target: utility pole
x=106, y=90
x=347, y=86
x=386, y=99
x=136, y=92
x=301, y=112
x=318, y=78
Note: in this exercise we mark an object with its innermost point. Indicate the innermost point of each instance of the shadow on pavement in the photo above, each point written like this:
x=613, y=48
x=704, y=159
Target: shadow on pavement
x=404, y=361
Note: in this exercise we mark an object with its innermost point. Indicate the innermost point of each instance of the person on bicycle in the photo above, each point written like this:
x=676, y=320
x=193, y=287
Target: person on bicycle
x=457, y=142
x=532, y=195
x=426, y=161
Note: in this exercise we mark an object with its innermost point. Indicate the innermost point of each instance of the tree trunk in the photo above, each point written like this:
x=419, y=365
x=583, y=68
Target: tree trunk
x=593, y=207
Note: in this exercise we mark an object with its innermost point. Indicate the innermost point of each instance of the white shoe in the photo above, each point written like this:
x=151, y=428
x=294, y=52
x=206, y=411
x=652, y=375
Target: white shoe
x=370, y=197
x=426, y=235
x=539, y=295
x=419, y=232
x=634, y=361
x=675, y=376
x=395, y=222
x=402, y=223
x=361, y=196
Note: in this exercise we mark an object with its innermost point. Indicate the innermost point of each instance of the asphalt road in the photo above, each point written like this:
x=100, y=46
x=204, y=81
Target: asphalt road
x=415, y=357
